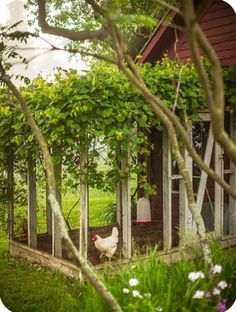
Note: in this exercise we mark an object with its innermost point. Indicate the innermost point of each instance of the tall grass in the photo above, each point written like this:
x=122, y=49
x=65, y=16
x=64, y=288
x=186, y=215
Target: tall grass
x=165, y=287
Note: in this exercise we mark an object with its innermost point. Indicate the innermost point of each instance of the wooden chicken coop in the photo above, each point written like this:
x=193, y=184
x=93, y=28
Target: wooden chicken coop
x=169, y=208
x=218, y=21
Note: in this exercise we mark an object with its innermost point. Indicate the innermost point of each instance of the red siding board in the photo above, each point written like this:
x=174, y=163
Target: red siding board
x=217, y=41
x=222, y=52
x=229, y=61
x=216, y=6
x=213, y=15
x=218, y=22
x=230, y=28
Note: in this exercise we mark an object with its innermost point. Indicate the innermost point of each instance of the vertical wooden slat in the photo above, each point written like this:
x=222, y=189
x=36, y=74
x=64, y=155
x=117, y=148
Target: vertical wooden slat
x=219, y=194
x=118, y=190
x=48, y=212
x=32, y=201
x=232, y=201
x=10, y=190
x=56, y=235
x=118, y=202
x=203, y=178
x=84, y=207
x=126, y=207
x=185, y=216
x=167, y=215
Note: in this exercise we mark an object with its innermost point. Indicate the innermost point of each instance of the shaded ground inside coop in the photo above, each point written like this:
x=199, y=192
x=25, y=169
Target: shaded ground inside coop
x=143, y=236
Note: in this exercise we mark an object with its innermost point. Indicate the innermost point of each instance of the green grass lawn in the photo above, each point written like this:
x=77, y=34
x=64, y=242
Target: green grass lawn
x=98, y=203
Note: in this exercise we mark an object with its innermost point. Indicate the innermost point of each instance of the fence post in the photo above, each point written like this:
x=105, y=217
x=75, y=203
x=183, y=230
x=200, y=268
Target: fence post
x=10, y=190
x=56, y=235
x=185, y=216
x=48, y=212
x=126, y=205
x=167, y=214
x=204, y=175
x=84, y=203
x=232, y=201
x=32, y=201
x=219, y=195
x=118, y=189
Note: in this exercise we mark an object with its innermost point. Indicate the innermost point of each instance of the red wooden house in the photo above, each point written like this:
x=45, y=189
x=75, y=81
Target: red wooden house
x=218, y=21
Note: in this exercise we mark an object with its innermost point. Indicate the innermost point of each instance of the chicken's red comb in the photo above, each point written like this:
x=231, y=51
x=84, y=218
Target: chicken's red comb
x=94, y=236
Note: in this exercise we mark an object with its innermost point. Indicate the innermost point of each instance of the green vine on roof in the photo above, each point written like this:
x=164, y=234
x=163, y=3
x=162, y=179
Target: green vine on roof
x=102, y=108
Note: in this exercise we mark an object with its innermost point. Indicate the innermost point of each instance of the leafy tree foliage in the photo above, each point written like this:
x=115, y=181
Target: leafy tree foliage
x=136, y=18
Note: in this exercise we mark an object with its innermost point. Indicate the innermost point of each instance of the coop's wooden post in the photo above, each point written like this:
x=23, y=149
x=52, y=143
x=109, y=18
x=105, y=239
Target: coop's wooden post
x=232, y=201
x=126, y=207
x=204, y=175
x=118, y=190
x=10, y=190
x=48, y=212
x=118, y=202
x=185, y=216
x=219, y=195
x=56, y=235
x=32, y=201
x=84, y=203
x=167, y=215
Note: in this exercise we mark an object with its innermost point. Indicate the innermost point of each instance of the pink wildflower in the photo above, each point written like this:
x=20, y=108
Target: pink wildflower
x=208, y=294
x=221, y=307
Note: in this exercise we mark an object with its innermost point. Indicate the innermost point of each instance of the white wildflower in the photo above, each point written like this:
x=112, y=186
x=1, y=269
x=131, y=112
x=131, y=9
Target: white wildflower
x=216, y=291
x=159, y=309
x=222, y=284
x=193, y=276
x=148, y=295
x=199, y=294
x=133, y=267
x=133, y=282
x=125, y=290
x=217, y=269
x=136, y=293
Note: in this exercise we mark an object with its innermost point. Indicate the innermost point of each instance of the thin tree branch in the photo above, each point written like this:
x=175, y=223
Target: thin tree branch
x=215, y=93
x=82, y=35
x=177, y=89
x=169, y=6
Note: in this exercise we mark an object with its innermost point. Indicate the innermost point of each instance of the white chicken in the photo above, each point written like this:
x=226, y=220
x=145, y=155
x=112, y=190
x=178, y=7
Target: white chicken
x=108, y=245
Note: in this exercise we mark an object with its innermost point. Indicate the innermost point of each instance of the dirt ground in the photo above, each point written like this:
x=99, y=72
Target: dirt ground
x=143, y=236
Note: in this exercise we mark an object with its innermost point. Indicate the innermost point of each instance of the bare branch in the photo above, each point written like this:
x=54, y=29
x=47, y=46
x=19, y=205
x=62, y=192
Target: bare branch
x=52, y=48
x=177, y=89
x=32, y=57
x=82, y=35
x=214, y=94
x=169, y=6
